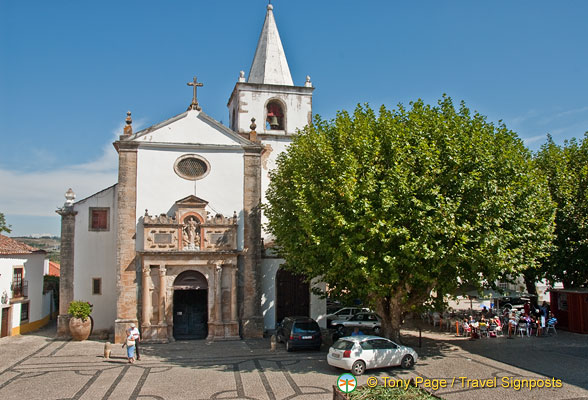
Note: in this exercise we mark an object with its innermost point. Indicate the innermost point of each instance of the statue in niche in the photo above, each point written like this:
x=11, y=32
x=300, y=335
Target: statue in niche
x=191, y=233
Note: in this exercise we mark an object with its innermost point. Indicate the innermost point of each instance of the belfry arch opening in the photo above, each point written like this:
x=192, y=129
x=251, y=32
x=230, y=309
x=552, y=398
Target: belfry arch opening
x=190, y=306
x=275, y=116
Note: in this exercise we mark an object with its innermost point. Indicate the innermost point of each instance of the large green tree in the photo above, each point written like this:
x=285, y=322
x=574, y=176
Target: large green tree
x=403, y=207
x=566, y=169
x=4, y=227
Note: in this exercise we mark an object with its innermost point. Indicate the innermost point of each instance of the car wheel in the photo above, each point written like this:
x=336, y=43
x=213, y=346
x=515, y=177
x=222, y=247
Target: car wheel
x=288, y=346
x=407, y=361
x=358, y=368
x=377, y=330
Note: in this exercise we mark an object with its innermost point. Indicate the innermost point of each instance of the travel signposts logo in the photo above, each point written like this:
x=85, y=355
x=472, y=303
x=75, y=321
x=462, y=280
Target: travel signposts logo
x=346, y=383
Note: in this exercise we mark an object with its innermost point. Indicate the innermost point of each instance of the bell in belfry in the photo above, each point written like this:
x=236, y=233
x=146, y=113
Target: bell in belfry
x=273, y=121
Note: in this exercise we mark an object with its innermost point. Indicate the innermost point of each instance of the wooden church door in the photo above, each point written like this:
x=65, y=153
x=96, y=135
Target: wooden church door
x=293, y=296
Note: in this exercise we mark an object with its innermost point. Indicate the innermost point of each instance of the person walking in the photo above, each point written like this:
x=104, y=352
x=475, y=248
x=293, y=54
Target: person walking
x=134, y=331
x=130, y=343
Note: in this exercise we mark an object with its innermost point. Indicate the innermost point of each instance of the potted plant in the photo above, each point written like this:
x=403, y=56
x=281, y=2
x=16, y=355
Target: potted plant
x=80, y=323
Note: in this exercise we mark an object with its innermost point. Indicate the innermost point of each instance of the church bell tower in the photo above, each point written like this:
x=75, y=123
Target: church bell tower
x=269, y=94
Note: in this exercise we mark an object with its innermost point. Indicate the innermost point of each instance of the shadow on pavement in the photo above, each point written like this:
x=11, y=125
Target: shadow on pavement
x=563, y=356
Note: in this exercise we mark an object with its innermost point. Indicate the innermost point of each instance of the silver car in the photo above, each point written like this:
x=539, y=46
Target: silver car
x=358, y=353
x=365, y=321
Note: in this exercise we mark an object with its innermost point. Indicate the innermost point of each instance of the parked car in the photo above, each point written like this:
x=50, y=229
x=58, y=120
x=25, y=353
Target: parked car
x=365, y=321
x=358, y=353
x=299, y=332
x=344, y=313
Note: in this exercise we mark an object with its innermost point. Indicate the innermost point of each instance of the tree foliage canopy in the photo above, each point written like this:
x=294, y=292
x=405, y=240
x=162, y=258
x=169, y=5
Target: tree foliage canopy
x=402, y=207
x=566, y=169
x=4, y=227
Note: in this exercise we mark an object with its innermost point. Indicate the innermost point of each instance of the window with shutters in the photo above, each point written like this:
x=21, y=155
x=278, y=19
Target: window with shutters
x=99, y=219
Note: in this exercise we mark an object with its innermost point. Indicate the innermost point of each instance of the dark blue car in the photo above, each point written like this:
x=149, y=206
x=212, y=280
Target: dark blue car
x=299, y=332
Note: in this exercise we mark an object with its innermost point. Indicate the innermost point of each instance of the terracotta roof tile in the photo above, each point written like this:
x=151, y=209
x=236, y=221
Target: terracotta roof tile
x=11, y=246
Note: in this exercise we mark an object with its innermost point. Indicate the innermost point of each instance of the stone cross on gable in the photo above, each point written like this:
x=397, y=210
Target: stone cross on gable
x=195, y=105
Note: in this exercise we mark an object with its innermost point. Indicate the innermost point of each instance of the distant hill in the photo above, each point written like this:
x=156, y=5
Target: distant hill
x=51, y=244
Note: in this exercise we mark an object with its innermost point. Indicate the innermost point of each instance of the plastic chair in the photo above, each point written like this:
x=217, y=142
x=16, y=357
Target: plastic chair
x=522, y=329
x=550, y=326
x=483, y=330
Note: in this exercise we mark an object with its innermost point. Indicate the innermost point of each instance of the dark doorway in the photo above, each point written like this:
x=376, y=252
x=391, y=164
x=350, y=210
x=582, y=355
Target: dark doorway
x=190, y=314
x=293, y=296
x=4, y=322
x=190, y=306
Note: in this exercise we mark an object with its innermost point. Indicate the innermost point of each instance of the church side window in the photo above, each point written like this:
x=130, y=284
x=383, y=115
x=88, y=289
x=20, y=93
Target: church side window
x=191, y=167
x=96, y=286
x=99, y=219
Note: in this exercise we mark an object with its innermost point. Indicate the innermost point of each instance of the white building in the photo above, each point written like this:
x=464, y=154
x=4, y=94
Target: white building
x=24, y=307
x=176, y=244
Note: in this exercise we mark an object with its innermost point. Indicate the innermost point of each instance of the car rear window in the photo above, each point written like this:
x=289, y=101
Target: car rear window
x=302, y=327
x=343, y=345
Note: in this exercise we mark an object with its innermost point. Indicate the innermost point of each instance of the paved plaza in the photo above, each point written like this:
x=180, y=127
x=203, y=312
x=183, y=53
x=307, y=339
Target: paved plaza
x=37, y=366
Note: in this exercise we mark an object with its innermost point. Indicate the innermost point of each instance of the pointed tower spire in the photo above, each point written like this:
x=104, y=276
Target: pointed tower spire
x=269, y=63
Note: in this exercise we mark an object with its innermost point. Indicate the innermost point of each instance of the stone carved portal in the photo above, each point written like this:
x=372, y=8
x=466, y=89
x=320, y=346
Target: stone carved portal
x=194, y=295
x=190, y=309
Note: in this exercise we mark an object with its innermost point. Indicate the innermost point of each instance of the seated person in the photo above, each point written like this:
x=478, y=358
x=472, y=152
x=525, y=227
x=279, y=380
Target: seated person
x=356, y=332
x=465, y=326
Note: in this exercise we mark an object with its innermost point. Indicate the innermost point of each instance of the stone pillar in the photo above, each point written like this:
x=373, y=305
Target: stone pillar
x=146, y=303
x=162, y=292
x=218, y=301
x=234, y=293
x=127, y=274
x=66, y=280
x=251, y=318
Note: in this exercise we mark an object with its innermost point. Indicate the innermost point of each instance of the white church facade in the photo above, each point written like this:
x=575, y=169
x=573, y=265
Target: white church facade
x=177, y=244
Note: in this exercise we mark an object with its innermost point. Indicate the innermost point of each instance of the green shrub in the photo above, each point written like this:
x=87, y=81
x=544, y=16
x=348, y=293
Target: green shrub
x=80, y=309
x=383, y=393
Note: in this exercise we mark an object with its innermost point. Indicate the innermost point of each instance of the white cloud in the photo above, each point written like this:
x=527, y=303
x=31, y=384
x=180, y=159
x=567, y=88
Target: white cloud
x=562, y=114
x=40, y=193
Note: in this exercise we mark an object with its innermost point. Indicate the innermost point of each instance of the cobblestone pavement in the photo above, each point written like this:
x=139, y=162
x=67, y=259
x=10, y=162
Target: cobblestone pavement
x=36, y=366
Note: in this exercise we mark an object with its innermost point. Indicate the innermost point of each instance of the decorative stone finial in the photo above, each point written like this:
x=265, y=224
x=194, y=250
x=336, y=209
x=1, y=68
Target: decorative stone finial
x=70, y=196
x=308, y=83
x=241, y=76
x=128, y=130
x=269, y=6
x=253, y=134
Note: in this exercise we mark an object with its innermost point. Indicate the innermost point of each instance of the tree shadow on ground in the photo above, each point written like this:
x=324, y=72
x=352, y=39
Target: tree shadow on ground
x=563, y=356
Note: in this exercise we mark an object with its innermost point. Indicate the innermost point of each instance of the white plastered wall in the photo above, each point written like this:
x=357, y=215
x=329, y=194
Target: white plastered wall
x=252, y=103
x=95, y=257
x=159, y=187
x=33, y=274
x=269, y=270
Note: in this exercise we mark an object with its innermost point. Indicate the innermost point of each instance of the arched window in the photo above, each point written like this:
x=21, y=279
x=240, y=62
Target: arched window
x=275, y=116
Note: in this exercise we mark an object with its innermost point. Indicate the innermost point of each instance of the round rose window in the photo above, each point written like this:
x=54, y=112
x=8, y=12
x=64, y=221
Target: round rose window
x=192, y=167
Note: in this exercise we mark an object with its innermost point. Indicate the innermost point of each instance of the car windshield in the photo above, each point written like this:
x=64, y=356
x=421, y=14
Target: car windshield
x=303, y=327
x=343, y=345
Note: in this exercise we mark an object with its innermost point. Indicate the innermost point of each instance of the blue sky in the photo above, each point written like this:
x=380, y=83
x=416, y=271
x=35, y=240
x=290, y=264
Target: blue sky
x=69, y=71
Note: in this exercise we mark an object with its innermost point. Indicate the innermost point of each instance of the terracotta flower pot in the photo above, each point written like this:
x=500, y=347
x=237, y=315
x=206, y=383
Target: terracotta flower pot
x=79, y=329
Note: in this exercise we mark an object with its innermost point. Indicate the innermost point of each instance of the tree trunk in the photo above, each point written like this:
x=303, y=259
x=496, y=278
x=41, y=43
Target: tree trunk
x=390, y=310
x=530, y=279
